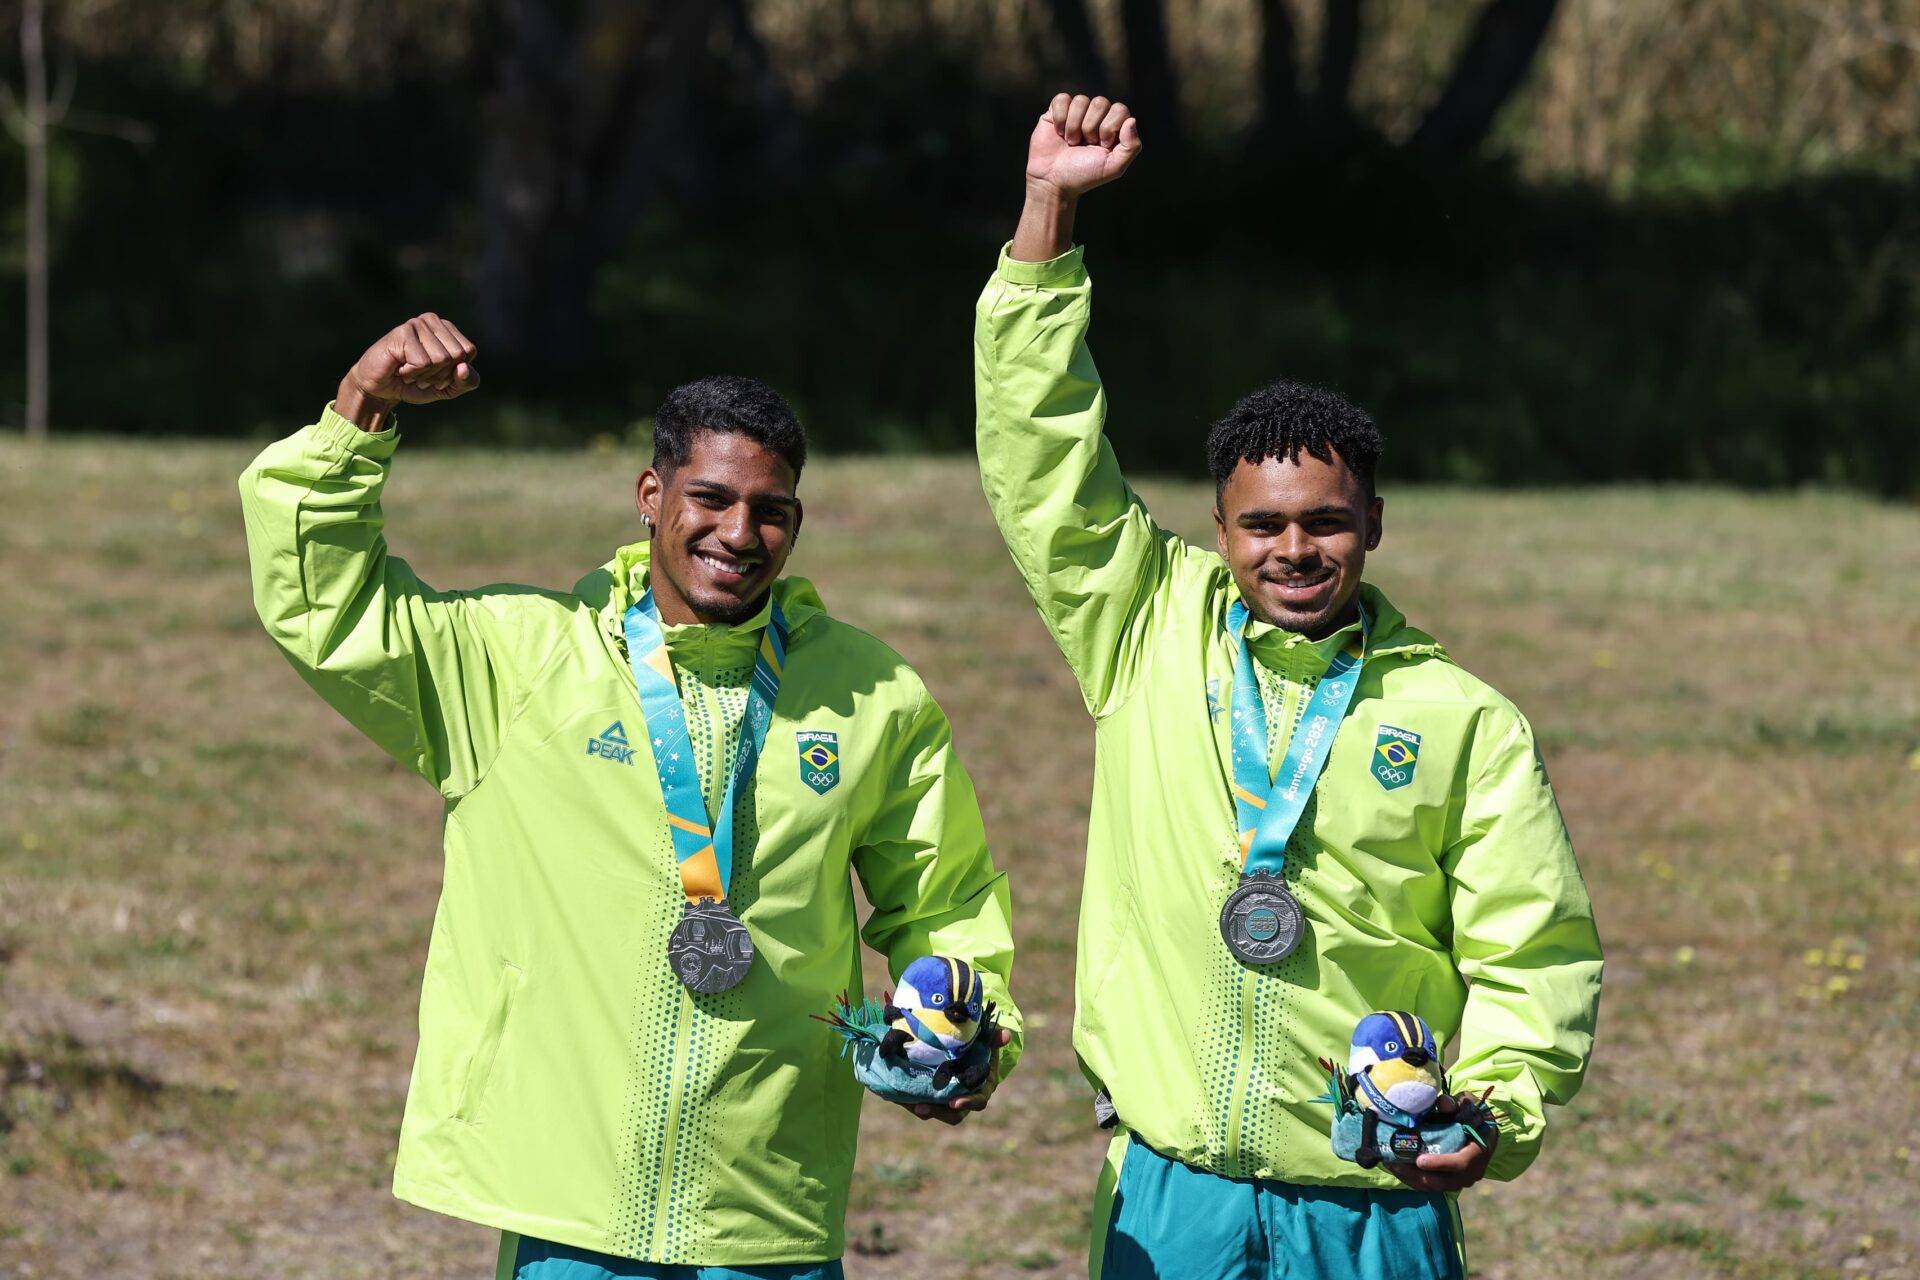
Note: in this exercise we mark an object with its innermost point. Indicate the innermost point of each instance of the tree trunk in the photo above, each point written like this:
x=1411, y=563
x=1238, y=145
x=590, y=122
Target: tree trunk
x=556, y=129
x=597, y=113
x=1151, y=87
x=1339, y=49
x=33, y=54
x=1084, y=63
x=1493, y=65
x=1279, y=75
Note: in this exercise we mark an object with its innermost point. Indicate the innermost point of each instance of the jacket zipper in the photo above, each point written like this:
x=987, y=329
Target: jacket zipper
x=676, y=1090
x=696, y=665
x=1292, y=693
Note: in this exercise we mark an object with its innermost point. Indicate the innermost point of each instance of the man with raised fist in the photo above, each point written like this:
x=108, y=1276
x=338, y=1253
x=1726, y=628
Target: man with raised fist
x=1303, y=812
x=656, y=786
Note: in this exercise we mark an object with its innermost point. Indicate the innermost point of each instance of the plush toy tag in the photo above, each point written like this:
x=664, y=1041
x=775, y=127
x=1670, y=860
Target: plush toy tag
x=1390, y=1145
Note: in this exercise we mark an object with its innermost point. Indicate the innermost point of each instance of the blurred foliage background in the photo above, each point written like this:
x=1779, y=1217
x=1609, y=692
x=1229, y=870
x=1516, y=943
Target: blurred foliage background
x=1543, y=242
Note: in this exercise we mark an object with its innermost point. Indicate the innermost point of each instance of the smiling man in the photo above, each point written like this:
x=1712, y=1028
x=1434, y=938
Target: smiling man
x=658, y=788
x=1303, y=811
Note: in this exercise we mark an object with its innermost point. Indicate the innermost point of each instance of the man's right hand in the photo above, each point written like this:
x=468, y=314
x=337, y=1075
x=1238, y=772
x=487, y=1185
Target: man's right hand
x=1078, y=143
x=418, y=362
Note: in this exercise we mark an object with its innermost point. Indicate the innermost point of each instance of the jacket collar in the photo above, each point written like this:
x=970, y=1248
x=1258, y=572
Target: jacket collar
x=1391, y=632
x=616, y=586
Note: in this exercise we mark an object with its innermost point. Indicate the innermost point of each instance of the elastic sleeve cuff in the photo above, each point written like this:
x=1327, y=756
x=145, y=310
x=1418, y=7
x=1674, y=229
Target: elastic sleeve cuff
x=1068, y=268
x=334, y=431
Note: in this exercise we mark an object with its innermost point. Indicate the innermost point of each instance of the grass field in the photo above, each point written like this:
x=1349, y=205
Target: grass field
x=215, y=898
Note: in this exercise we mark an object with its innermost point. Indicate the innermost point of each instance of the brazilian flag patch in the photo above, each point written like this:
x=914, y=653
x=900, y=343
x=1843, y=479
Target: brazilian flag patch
x=1396, y=754
x=819, y=760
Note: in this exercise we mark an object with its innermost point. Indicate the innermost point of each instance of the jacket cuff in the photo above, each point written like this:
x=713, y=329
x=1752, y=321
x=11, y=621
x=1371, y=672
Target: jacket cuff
x=1068, y=268
x=337, y=433
x=1010, y=1056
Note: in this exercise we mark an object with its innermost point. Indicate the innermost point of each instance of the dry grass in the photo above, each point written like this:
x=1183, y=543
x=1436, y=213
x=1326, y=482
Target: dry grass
x=214, y=898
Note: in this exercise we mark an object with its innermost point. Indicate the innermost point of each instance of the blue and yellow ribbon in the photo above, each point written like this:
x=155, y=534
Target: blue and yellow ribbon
x=702, y=846
x=1269, y=808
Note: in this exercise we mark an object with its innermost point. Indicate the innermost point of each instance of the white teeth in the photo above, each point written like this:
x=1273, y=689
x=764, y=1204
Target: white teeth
x=725, y=566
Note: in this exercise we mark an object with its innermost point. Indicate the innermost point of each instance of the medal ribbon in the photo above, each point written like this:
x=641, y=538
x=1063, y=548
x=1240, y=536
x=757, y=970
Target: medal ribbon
x=925, y=1035
x=1388, y=1112
x=1268, y=809
x=703, y=847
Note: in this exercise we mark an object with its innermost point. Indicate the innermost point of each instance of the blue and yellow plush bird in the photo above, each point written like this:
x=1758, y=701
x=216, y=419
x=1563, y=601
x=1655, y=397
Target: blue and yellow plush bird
x=1393, y=1067
x=935, y=1015
x=1387, y=1099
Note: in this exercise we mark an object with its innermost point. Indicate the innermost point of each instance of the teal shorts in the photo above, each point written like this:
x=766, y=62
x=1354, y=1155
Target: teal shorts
x=524, y=1258
x=1158, y=1219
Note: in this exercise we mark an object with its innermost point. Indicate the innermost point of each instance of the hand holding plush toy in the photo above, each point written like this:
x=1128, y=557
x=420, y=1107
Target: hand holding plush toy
x=935, y=1016
x=930, y=1041
x=1388, y=1102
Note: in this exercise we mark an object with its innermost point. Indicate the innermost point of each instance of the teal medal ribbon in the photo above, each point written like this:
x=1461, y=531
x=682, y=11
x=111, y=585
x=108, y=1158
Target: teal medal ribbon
x=710, y=949
x=1262, y=922
x=925, y=1035
x=1387, y=1111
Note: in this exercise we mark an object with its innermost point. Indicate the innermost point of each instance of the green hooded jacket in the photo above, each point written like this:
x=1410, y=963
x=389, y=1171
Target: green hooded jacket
x=566, y=1086
x=1447, y=887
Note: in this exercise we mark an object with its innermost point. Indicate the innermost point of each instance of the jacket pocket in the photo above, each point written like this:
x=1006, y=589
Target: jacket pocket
x=487, y=1048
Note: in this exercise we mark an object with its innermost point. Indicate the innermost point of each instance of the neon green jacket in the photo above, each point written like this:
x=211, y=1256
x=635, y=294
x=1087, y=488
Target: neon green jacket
x=566, y=1086
x=1450, y=891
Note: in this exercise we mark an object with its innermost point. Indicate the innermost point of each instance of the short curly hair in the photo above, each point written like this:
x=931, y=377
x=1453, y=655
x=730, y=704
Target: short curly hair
x=1282, y=419
x=726, y=402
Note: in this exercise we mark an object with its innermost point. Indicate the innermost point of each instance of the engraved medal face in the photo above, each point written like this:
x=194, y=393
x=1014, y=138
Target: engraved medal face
x=710, y=951
x=1261, y=922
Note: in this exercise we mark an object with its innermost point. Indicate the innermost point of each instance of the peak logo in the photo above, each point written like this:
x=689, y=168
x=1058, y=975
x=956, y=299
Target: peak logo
x=612, y=744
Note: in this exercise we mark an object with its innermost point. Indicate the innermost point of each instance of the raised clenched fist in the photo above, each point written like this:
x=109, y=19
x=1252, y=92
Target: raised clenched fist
x=1080, y=143
x=418, y=362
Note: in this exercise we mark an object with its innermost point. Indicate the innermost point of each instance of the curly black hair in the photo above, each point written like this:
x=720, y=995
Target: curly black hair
x=726, y=402
x=1283, y=418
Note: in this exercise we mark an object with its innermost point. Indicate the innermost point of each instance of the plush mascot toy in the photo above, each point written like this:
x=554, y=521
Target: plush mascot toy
x=1384, y=1099
x=931, y=1040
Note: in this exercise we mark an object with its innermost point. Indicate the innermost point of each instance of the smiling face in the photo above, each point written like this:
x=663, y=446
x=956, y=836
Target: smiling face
x=723, y=524
x=1296, y=533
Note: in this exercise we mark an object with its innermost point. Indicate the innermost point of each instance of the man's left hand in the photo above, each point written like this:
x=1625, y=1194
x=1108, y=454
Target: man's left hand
x=960, y=1108
x=1456, y=1172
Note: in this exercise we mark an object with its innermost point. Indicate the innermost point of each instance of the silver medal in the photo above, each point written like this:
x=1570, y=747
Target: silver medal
x=1262, y=922
x=710, y=950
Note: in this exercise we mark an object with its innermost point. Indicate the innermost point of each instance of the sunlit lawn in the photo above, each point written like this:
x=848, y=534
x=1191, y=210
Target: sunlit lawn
x=215, y=898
